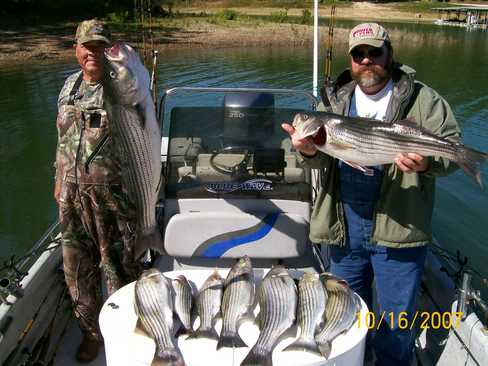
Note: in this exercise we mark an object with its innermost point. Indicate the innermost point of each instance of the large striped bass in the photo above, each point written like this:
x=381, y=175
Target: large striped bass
x=154, y=308
x=277, y=302
x=237, y=302
x=363, y=142
x=340, y=311
x=133, y=122
x=208, y=306
x=312, y=298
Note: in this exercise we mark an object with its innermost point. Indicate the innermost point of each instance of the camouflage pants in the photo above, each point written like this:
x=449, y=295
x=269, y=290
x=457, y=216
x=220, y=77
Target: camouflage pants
x=98, y=236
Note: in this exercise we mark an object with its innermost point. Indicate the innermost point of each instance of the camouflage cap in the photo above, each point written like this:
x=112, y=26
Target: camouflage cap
x=371, y=34
x=92, y=30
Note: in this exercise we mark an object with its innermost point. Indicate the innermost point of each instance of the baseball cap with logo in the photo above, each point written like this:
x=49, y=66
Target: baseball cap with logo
x=371, y=34
x=92, y=30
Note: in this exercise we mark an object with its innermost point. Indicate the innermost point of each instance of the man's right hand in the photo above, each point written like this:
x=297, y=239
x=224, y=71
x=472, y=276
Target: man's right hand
x=305, y=146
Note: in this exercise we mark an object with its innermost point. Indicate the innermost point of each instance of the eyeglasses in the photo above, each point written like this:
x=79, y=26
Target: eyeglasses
x=359, y=55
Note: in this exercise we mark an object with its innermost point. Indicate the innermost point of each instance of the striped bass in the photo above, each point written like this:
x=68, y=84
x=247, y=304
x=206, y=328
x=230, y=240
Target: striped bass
x=154, y=308
x=340, y=311
x=237, y=302
x=363, y=142
x=312, y=298
x=208, y=306
x=277, y=302
x=133, y=121
x=183, y=302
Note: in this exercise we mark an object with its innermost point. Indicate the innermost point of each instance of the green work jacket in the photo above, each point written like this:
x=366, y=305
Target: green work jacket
x=403, y=212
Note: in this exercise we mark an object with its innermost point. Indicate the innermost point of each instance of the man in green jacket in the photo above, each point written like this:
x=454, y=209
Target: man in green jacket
x=378, y=226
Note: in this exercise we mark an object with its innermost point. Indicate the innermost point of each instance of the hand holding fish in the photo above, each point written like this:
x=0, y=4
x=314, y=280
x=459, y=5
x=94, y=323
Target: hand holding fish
x=304, y=145
x=411, y=163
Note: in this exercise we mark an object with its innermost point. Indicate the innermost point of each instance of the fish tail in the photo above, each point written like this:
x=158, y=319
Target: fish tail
x=153, y=240
x=301, y=344
x=324, y=348
x=470, y=160
x=254, y=358
x=183, y=330
x=204, y=333
x=231, y=341
x=168, y=357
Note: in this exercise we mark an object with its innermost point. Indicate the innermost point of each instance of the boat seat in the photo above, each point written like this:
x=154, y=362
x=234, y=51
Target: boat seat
x=226, y=228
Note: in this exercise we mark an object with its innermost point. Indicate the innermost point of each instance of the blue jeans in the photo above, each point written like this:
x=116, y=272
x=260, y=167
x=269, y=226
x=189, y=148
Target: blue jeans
x=397, y=271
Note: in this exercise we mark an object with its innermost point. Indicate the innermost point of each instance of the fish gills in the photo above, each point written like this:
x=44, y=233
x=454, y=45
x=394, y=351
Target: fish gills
x=312, y=298
x=237, y=302
x=340, y=312
x=277, y=302
x=154, y=308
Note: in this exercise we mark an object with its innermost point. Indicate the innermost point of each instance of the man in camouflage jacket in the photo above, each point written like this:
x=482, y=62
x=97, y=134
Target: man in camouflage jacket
x=97, y=217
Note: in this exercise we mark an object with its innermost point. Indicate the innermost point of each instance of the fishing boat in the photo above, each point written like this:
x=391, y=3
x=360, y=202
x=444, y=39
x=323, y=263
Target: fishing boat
x=231, y=185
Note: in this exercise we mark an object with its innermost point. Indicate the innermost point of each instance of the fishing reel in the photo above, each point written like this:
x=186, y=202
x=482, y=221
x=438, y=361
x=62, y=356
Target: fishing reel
x=8, y=287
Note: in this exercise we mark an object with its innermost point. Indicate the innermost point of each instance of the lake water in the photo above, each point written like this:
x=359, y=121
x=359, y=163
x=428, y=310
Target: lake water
x=451, y=60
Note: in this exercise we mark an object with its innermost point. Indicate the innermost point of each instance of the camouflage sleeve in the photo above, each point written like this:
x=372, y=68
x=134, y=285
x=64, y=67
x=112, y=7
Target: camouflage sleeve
x=62, y=100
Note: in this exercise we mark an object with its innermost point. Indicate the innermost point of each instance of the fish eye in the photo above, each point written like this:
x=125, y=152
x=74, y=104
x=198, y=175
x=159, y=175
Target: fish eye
x=305, y=117
x=113, y=74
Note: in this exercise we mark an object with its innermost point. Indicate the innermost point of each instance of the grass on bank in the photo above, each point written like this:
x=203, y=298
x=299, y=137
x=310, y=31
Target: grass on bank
x=232, y=13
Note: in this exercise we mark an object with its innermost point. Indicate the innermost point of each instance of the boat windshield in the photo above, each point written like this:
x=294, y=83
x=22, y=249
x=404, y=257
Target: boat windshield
x=233, y=146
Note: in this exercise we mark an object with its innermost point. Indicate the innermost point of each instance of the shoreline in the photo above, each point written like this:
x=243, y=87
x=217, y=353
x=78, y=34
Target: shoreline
x=50, y=43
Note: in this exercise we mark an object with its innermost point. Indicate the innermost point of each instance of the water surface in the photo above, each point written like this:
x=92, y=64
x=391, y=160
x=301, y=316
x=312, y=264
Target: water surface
x=451, y=60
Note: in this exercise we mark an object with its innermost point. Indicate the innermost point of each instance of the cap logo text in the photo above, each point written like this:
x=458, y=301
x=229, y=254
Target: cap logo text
x=363, y=32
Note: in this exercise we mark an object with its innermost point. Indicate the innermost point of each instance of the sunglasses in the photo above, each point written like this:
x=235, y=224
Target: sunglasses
x=359, y=55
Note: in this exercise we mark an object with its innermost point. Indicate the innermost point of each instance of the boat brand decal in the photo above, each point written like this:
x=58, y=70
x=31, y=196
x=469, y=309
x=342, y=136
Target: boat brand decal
x=216, y=247
x=258, y=185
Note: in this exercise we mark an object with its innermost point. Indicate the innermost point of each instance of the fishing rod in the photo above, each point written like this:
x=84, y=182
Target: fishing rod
x=330, y=41
x=153, y=79
x=145, y=9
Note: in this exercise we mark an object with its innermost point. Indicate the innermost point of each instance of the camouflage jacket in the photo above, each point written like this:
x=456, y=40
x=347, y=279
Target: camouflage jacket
x=84, y=139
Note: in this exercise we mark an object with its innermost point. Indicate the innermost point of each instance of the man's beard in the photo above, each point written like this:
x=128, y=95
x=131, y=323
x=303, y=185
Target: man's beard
x=377, y=75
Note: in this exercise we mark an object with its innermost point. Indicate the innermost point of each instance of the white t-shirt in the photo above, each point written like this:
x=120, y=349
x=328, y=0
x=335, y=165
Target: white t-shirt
x=371, y=106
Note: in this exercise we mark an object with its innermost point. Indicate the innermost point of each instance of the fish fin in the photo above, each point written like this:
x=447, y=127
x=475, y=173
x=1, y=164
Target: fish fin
x=139, y=329
x=410, y=121
x=253, y=358
x=204, y=333
x=230, y=341
x=325, y=348
x=302, y=344
x=167, y=356
x=152, y=240
x=469, y=160
x=341, y=145
x=181, y=330
x=365, y=170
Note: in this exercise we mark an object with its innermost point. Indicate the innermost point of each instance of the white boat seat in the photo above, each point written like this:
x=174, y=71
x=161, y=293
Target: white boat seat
x=227, y=228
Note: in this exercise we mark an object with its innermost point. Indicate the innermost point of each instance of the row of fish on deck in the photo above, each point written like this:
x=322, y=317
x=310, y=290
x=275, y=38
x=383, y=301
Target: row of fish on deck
x=323, y=306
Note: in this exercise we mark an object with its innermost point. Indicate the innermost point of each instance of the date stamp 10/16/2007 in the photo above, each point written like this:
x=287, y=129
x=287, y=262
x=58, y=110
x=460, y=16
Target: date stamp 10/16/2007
x=401, y=320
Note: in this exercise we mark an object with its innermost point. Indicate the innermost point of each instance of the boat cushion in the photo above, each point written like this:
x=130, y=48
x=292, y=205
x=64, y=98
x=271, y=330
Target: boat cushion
x=231, y=235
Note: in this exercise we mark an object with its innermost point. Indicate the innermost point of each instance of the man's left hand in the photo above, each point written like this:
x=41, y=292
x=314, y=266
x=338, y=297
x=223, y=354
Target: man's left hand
x=411, y=163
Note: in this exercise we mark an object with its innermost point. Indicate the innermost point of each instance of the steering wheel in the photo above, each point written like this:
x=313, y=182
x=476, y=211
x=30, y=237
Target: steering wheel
x=240, y=168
